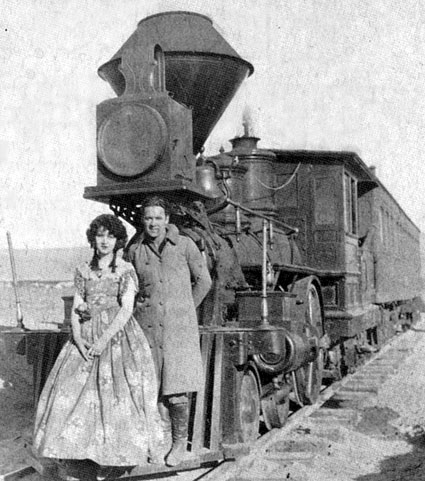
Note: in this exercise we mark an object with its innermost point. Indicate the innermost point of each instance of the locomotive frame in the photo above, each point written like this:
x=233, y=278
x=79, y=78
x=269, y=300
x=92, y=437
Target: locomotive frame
x=300, y=273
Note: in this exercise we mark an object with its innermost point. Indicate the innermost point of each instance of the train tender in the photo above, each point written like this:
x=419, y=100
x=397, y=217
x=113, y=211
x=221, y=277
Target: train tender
x=307, y=250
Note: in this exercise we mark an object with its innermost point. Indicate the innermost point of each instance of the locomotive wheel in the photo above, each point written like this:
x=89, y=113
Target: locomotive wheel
x=308, y=378
x=249, y=407
x=275, y=411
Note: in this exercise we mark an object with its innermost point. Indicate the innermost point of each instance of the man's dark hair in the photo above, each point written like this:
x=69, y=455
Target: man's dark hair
x=155, y=201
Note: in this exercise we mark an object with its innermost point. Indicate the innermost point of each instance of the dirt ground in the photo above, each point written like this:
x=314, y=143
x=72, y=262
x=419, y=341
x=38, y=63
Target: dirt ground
x=388, y=442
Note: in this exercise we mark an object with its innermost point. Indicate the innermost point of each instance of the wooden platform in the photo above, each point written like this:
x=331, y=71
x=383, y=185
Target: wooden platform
x=203, y=458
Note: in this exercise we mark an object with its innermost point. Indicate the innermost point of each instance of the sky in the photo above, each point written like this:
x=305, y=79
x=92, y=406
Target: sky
x=329, y=75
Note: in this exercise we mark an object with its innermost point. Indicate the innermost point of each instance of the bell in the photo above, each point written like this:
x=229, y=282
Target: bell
x=206, y=179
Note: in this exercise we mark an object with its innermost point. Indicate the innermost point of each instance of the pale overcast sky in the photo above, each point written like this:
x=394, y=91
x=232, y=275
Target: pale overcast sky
x=329, y=74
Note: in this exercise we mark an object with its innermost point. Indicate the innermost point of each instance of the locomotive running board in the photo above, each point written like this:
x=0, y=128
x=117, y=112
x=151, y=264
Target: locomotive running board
x=202, y=459
x=105, y=193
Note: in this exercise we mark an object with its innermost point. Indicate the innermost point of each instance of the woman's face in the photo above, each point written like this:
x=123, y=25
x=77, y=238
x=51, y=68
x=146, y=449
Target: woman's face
x=105, y=242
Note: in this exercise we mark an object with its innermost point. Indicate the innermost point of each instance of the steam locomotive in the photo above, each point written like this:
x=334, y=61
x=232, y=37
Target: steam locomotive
x=313, y=262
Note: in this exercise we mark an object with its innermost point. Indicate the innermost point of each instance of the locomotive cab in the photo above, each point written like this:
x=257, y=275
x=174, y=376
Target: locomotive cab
x=323, y=201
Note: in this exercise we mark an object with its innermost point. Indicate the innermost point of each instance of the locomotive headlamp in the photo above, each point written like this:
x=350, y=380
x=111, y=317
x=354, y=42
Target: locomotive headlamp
x=131, y=139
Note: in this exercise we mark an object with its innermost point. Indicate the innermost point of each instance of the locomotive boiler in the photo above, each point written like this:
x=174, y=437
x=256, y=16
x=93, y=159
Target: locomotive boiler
x=295, y=241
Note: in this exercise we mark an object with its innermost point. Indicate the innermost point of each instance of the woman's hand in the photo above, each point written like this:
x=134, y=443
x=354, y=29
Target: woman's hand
x=97, y=348
x=83, y=346
x=83, y=311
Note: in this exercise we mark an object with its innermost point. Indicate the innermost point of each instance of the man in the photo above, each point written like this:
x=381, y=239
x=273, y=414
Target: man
x=173, y=281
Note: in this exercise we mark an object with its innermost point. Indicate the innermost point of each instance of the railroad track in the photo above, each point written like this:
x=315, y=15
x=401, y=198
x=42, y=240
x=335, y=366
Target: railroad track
x=338, y=404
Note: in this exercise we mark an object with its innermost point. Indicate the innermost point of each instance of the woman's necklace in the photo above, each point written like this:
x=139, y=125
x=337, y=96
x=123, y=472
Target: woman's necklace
x=102, y=269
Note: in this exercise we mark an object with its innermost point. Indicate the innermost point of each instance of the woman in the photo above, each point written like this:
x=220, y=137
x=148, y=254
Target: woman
x=100, y=400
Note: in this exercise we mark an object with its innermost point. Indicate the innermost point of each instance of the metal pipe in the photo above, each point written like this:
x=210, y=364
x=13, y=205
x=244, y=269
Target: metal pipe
x=296, y=389
x=19, y=316
x=264, y=303
x=238, y=223
x=310, y=378
x=290, y=229
x=271, y=235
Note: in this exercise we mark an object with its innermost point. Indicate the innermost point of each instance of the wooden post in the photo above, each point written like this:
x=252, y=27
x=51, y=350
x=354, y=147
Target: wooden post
x=19, y=316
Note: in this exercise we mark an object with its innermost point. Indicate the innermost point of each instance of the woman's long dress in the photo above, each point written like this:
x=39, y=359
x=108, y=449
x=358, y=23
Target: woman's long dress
x=103, y=409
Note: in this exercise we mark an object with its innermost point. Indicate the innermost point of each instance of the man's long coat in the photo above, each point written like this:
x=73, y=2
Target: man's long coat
x=172, y=284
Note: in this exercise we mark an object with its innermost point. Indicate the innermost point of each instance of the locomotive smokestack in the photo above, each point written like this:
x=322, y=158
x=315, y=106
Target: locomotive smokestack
x=202, y=71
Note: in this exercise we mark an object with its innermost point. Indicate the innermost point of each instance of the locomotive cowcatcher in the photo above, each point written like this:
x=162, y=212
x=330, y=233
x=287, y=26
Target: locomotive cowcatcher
x=295, y=241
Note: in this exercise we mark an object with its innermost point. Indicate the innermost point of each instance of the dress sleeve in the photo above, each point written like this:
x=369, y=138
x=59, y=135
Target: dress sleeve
x=128, y=282
x=79, y=283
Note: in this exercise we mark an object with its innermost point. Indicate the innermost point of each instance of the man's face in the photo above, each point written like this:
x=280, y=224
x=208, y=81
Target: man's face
x=155, y=222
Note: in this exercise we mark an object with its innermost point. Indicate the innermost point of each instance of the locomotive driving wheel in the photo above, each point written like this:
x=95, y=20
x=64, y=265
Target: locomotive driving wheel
x=249, y=407
x=308, y=378
x=275, y=410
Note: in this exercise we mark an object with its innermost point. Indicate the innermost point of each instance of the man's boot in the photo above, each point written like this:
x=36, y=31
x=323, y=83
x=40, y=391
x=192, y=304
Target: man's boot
x=179, y=421
x=166, y=425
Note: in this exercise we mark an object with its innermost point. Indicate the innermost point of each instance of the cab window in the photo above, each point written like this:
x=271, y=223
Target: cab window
x=350, y=204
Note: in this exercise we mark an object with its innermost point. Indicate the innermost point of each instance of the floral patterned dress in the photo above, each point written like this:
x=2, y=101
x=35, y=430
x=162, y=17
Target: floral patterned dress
x=104, y=409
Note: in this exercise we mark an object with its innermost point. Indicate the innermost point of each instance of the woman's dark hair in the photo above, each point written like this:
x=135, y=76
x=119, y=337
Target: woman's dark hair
x=115, y=227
